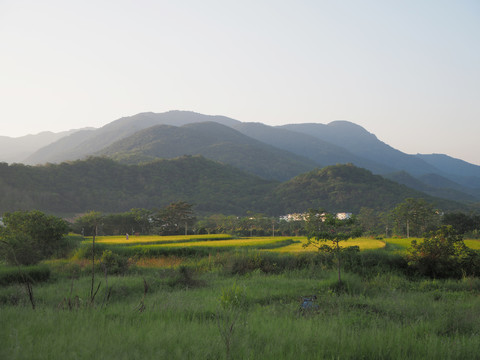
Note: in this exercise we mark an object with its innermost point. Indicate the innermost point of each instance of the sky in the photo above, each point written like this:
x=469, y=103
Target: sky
x=407, y=71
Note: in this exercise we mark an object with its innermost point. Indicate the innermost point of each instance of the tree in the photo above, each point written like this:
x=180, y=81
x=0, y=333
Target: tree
x=31, y=236
x=414, y=217
x=442, y=254
x=323, y=227
x=369, y=221
x=461, y=222
x=143, y=220
x=174, y=218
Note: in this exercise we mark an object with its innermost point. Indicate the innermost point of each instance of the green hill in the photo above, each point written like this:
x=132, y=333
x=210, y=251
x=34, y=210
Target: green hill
x=108, y=186
x=213, y=141
x=105, y=185
x=346, y=188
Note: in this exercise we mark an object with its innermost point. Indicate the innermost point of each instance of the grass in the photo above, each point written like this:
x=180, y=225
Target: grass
x=377, y=312
x=386, y=316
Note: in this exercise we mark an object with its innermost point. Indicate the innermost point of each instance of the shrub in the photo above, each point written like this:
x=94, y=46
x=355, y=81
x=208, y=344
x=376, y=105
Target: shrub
x=443, y=254
x=184, y=277
x=114, y=263
x=30, y=236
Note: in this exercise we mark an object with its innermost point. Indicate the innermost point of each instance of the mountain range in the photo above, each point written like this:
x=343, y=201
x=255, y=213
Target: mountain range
x=273, y=153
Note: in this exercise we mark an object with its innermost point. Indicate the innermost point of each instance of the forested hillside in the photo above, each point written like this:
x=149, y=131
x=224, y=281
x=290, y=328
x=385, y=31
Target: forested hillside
x=347, y=188
x=213, y=141
x=105, y=185
x=271, y=152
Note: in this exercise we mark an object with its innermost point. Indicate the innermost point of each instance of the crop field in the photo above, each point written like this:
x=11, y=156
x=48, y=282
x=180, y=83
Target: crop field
x=156, y=239
x=295, y=245
x=363, y=243
x=401, y=244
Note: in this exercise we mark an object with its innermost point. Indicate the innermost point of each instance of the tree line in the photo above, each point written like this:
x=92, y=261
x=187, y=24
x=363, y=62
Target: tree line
x=27, y=237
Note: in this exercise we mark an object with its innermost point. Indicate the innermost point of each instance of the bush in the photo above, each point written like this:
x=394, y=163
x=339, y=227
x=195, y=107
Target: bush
x=30, y=236
x=443, y=254
x=114, y=263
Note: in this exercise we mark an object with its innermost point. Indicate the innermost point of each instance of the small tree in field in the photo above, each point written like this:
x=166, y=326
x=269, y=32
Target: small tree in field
x=323, y=228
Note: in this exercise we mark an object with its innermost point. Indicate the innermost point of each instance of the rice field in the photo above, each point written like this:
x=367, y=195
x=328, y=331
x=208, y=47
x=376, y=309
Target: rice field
x=363, y=243
x=152, y=239
x=277, y=244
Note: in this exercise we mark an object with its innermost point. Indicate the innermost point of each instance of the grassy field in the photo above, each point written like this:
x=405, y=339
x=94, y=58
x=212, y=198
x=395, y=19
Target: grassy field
x=199, y=307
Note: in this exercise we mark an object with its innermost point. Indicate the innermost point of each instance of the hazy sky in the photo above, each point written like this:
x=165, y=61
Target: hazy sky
x=407, y=71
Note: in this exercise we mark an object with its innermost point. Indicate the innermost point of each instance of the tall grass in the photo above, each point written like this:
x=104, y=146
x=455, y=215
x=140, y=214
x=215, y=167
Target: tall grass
x=383, y=317
x=378, y=312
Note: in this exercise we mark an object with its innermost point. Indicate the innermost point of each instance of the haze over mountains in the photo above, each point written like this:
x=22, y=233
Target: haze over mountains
x=270, y=152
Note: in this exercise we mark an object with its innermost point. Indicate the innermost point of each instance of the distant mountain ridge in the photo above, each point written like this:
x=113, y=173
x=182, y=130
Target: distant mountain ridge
x=16, y=149
x=88, y=143
x=338, y=142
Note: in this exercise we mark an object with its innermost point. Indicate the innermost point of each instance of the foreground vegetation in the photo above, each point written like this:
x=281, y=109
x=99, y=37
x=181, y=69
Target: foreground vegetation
x=237, y=304
x=221, y=296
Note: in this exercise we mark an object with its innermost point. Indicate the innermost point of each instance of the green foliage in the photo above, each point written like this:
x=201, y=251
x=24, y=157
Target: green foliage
x=323, y=227
x=129, y=222
x=35, y=273
x=342, y=188
x=214, y=141
x=414, y=217
x=175, y=219
x=386, y=316
x=185, y=278
x=443, y=254
x=88, y=224
x=233, y=297
x=244, y=262
x=462, y=223
x=30, y=236
x=114, y=263
x=108, y=186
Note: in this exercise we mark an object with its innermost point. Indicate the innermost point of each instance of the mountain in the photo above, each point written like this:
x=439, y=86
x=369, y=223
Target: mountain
x=360, y=142
x=88, y=143
x=338, y=142
x=457, y=170
x=322, y=152
x=58, y=150
x=213, y=141
x=16, y=149
x=346, y=188
x=434, y=185
x=108, y=186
